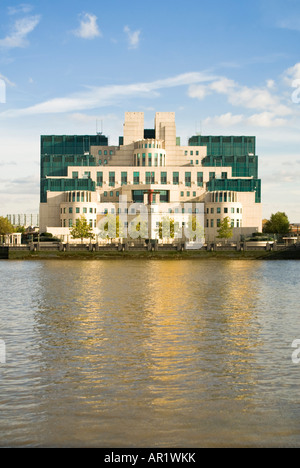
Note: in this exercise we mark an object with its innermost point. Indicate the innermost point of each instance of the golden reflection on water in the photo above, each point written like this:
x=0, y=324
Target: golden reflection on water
x=147, y=353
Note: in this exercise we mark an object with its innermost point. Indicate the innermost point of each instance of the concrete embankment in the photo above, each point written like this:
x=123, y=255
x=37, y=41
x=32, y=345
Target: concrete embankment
x=289, y=254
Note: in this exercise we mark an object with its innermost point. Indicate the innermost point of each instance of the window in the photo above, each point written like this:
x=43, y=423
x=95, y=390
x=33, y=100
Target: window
x=70, y=223
x=75, y=175
x=182, y=194
x=124, y=178
x=187, y=194
x=224, y=175
x=70, y=210
x=194, y=194
x=111, y=193
x=197, y=162
x=163, y=177
x=212, y=175
x=232, y=210
x=150, y=159
x=150, y=176
x=175, y=178
x=136, y=178
x=218, y=222
x=187, y=179
x=212, y=211
x=77, y=210
x=226, y=210
x=105, y=194
x=218, y=210
x=91, y=210
x=99, y=179
x=211, y=223
x=156, y=159
x=117, y=194
x=232, y=223
x=112, y=179
x=84, y=210
x=191, y=153
x=100, y=152
x=87, y=175
x=100, y=162
x=200, y=179
x=143, y=159
x=105, y=153
x=111, y=153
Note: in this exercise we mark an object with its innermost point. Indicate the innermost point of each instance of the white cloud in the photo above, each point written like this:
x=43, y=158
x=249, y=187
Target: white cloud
x=133, y=37
x=94, y=97
x=225, y=120
x=22, y=8
x=6, y=80
x=19, y=33
x=88, y=28
x=292, y=74
x=266, y=119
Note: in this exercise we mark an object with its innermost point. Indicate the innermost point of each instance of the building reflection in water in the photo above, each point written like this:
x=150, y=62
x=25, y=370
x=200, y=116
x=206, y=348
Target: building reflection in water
x=154, y=341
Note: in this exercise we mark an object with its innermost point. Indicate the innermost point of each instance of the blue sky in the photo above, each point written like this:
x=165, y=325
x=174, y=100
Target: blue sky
x=224, y=67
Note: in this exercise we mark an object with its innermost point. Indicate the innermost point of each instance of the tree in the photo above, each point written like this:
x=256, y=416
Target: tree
x=225, y=229
x=277, y=224
x=194, y=231
x=113, y=228
x=5, y=227
x=82, y=230
x=168, y=228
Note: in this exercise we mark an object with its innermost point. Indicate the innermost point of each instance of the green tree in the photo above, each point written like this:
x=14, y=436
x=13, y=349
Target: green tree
x=277, y=224
x=225, y=229
x=5, y=227
x=82, y=230
x=194, y=229
x=113, y=227
x=168, y=228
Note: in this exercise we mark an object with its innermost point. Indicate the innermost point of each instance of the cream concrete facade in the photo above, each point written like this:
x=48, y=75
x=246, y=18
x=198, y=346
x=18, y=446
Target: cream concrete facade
x=173, y=173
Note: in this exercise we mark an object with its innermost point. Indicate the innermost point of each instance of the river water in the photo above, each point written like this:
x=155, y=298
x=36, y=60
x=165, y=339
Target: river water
x=149, y=353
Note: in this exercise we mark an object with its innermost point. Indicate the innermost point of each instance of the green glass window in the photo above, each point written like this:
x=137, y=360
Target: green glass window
x=99, y=179
x=123, y=178
x=75, y=175
x=200, y=179
x=187, y=179
x=163, y=177
x=175, y=178
x=136, y=178
x=150, y=176
x=112, y=180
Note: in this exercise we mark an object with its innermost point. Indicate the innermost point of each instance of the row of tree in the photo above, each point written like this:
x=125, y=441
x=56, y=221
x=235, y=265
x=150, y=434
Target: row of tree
x=277, y=224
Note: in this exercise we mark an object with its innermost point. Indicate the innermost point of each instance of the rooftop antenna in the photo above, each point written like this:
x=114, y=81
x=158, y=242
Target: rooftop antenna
x=99, y=133
x=199, y=133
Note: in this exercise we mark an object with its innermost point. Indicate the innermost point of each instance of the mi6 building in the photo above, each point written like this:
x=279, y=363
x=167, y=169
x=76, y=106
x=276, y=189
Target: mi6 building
x=215, y=176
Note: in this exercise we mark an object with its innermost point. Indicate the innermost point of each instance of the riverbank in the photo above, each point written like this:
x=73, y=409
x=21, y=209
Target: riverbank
x=290, y=254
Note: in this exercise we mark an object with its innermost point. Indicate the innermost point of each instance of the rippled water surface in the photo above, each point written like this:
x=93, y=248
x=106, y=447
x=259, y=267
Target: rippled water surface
x=126, y=353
